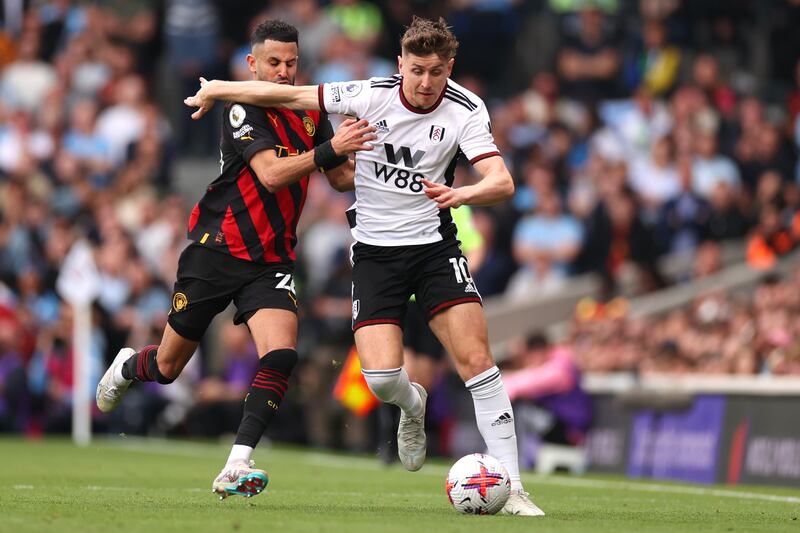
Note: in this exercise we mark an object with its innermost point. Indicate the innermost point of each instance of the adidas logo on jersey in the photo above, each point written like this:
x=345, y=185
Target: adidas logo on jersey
x=470, y=287
x=381, y=126
x=505, y=418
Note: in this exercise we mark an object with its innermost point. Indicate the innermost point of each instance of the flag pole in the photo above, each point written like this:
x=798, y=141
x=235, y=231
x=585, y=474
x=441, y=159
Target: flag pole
x=79, y=284
x=81, y=398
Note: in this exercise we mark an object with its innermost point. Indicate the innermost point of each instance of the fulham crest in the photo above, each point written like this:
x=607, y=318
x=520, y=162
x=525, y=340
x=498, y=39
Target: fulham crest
x=436, y=134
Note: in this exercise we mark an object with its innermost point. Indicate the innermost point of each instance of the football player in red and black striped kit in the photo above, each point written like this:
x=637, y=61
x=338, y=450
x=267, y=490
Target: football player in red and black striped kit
x=244, y=233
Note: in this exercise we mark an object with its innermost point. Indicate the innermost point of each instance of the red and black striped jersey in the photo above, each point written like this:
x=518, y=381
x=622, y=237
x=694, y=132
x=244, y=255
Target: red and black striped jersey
x=238, y=215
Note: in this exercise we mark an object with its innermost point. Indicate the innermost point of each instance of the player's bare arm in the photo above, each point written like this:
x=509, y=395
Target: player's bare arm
x=277, y=172
x=342, y=178
x=260, y=93
x=495, y=186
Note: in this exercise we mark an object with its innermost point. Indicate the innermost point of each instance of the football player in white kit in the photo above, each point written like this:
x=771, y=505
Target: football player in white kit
x=405, y=237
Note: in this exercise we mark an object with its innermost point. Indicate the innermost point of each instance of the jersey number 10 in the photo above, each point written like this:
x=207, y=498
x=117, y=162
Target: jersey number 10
x=460, y=269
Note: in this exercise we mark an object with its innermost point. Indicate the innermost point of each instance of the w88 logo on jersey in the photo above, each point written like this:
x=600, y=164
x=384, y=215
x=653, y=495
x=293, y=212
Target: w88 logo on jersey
x=400, y=177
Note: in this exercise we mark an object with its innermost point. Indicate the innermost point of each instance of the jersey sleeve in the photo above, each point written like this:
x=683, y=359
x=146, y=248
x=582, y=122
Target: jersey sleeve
x=345, y=98
x=476, y=140
x=324, y=130
x=249, y=130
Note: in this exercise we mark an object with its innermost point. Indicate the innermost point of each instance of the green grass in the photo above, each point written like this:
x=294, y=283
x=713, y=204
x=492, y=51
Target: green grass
x=154, y=486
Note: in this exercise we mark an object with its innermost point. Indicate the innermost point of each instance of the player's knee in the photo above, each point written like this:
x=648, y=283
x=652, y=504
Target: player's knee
x=475, y=362
x=282, y=361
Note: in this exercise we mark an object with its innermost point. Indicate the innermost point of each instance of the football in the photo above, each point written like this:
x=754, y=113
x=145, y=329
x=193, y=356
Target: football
x=478, y=484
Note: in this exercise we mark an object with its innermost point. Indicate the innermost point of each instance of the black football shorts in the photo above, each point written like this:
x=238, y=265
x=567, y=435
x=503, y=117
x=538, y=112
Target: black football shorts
x=209, y=280
x=384, y=277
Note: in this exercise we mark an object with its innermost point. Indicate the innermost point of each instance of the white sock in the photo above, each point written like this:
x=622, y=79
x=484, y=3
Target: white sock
x=392, y=386
x=495, y=420
x=239, y=453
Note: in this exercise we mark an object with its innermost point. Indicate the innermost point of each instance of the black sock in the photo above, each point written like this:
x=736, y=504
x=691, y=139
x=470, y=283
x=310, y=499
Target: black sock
x=142, y=366
x=265, y=395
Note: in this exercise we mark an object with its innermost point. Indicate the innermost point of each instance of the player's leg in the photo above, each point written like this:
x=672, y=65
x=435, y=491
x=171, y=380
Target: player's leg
x=380, y=294
x=422, y=357
x=268, y=307
x=422, y=354
x=161, y=362
x=274, y=333
x=380, y=348
x=156, y=362
x=205, y=283
x=462, y=330
x=445, y=289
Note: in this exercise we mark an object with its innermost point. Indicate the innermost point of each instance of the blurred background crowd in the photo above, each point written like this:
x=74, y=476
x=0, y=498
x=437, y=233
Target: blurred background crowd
x=635, y=130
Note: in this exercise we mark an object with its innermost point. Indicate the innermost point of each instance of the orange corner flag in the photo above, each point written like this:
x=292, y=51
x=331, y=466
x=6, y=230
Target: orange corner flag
x=351, y=388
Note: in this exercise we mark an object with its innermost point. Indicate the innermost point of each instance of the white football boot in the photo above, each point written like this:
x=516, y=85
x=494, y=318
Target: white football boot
x=109, y=394
x=240, y=478
x=519, y=503
x=411, y=436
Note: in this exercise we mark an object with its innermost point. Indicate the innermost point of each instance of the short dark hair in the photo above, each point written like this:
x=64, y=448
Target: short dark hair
x=425, y=37
x=274, y=30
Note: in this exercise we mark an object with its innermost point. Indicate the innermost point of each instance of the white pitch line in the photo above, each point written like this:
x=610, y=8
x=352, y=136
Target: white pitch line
x=366, y=463
x=106, y=489
x=652, y=487
x=103, y=488
x=564, y=482
x=435, y=470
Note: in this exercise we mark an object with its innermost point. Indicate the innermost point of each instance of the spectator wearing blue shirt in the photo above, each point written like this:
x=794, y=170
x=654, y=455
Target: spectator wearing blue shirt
x=544, y=244
x=82, y=142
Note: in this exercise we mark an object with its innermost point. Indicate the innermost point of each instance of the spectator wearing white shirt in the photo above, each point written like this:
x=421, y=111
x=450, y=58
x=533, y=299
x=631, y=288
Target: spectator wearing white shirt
x=647, y=120
x=23, y=144
x=26, y=82
x=123, y=123
x=654, y=178
x=710, y=168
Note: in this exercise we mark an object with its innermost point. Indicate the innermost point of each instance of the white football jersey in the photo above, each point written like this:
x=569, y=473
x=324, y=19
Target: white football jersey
x=391, y=208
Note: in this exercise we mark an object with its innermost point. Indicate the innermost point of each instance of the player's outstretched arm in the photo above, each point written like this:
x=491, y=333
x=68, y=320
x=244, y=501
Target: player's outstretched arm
x=276, y=172
x=342, y=178
x=260, y=93
x=497, y=185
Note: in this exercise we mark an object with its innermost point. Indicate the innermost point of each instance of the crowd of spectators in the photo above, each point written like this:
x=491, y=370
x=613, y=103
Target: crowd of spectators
x=634, y=130
x=721, y=333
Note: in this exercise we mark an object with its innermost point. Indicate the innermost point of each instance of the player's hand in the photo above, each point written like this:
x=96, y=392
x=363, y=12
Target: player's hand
x=353, y=136
x=443, y=195
x=202, y=99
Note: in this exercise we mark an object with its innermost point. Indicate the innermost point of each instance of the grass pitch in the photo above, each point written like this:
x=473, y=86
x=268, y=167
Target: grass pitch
x=154, y=486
